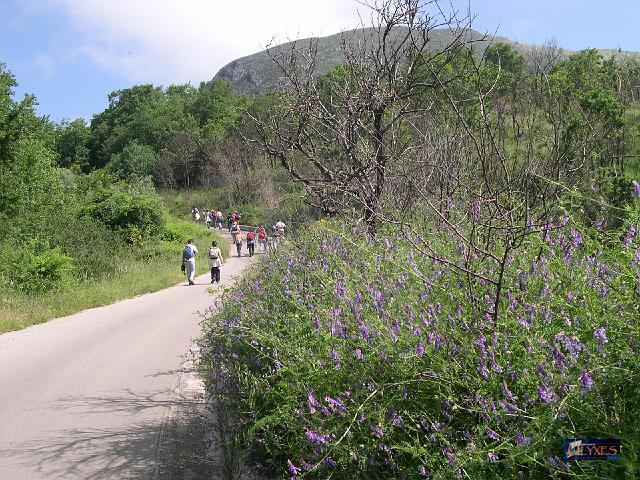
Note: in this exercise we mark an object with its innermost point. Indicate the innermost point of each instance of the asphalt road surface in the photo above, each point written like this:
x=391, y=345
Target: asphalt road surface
x=86, y=396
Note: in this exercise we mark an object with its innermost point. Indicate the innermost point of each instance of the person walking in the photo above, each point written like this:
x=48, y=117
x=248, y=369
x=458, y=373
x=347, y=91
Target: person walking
x=262, y=238
x=215, y=261
x=229, y=222
x=236, y=233
x=220, y=217
x=251, y=242
x=189, y=253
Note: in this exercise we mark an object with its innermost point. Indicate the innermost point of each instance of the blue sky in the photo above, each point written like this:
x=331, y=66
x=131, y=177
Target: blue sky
x=72, y=53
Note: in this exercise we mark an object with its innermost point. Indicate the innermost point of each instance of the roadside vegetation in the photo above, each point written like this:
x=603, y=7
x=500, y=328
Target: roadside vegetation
x=473, y=299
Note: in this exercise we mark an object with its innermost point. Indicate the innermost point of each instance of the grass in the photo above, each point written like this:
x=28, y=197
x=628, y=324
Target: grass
x=136, y=277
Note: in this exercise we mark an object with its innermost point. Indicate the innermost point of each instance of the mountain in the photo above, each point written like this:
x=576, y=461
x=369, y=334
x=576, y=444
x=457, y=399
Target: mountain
x=257, y=74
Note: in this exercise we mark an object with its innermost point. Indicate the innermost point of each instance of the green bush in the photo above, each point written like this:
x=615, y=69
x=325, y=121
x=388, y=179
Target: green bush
x=120, y=210
x=35, y=267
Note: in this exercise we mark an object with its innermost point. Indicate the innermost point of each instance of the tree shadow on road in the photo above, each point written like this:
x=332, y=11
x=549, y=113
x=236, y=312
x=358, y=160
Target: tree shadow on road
x=141, y=449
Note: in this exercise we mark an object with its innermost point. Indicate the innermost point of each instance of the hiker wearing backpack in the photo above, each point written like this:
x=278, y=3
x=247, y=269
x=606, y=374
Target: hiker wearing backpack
x=236, y=234
x=220, y=217
x=251, y=241
x=262, y=238
x=215, y=261
x=189, y=253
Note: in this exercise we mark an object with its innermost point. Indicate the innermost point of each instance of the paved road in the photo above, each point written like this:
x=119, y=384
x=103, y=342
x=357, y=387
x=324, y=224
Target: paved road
x=85, y=396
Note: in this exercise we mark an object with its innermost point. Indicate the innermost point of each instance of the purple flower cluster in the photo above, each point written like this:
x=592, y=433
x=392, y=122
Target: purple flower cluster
x=377, y=348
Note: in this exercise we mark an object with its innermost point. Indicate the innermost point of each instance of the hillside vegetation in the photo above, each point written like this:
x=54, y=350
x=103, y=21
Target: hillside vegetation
x=256, y=74
x=474, y=298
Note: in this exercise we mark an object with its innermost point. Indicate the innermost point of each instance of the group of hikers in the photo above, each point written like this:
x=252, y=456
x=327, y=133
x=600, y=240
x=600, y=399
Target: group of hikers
x=213, y=218
x=214, y=254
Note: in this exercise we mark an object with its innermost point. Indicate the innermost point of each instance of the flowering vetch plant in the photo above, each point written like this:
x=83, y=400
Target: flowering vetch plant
x=348, y=366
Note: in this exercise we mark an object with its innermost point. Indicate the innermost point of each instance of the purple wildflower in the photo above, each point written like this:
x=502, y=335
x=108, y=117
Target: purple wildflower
x=424, y=472
x=336, y=357
x=492, y=434
x=318, y=438
x=569, y=297
x=509, y=407
x=521, y=439
x=330, y=462
x=358, y=353
x=475, y=209
x=292, y=468
x=420, y=349
x=601, y=335
x=383, y=356
x=492, y=457
x=396, y=420
x=586, y=382
x=546, y=394
x=571, y=344
x=335, y=405
x=636, y=188
x=377, y=430
x=630, y=234
x=312, y=403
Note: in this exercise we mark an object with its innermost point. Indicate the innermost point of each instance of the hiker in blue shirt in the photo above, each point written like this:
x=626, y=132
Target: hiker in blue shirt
x=189, y=260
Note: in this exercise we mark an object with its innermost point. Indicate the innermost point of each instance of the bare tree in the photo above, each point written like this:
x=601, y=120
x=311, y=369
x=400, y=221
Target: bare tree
x=338, y=134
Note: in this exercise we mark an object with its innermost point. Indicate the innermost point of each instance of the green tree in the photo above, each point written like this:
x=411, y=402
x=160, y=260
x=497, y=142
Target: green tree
x=71, y=144
x=135, y=160
x=28, y=178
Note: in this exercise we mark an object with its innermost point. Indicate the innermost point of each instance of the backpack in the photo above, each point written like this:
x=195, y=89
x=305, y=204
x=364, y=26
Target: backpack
x=213, y=253
x=251, y=236
x=187, y=252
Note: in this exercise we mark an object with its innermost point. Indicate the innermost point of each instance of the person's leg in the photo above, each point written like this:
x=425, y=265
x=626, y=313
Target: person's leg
x=191, y=271
x=216, y=271
x=239, y=248
x=213, y=274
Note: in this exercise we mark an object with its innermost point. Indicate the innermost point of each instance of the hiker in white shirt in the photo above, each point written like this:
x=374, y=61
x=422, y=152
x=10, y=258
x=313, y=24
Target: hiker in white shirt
x=215, y=261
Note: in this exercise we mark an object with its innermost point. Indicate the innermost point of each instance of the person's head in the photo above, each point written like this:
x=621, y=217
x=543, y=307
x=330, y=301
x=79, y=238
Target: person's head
x=214, y=244
x=190, y=241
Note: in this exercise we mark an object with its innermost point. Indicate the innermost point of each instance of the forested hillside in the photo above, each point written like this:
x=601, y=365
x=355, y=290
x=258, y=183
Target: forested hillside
x=257, y=74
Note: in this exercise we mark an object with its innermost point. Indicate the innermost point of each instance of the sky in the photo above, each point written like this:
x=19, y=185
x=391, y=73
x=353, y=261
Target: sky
x=72, y=53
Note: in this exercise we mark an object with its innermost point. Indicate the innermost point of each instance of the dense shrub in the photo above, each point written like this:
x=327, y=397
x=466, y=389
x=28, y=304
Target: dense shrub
x=96, y=251
x=355, y=358
x=34, y=267
x=122, y=210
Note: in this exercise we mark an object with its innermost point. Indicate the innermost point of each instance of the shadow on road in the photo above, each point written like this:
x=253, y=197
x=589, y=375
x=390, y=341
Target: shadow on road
x=128, y=450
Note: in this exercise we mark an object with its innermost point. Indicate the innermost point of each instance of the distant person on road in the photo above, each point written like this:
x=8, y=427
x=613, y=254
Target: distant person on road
x=229, y=221
x=236, y=233
x=215, y=261
x=251, y=242
x=220, y=219
x=280, y=227
x=189, y=253
x=262, y=238
x=207, y=218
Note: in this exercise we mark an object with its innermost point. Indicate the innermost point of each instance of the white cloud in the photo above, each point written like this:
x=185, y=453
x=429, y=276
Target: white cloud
x=175, y=41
